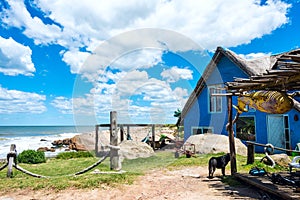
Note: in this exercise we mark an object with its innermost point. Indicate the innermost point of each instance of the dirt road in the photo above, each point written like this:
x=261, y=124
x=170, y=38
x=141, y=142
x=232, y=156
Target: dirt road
x=187, y=183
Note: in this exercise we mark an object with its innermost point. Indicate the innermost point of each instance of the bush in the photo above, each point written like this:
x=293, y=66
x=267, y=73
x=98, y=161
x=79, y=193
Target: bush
x=32, y=157
x=70, y=155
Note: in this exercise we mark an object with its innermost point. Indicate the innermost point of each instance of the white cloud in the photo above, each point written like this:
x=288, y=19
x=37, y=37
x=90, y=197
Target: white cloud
x=138, y=59
x=18, y=16
x=208, y=23
x=134, y=95
x=14, y=101
x=252, y=56
x=75, y=59
x=15, y=58
x=177, y=26
x=175, y=74
x=63, y=104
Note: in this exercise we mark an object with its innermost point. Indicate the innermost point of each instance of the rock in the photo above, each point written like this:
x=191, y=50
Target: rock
x=88, y=140
x=66, y=141
x=215, y=143
x=43, y=149
x=57, y=143
x=76, y=145
x=281, y=159
x=134, y=149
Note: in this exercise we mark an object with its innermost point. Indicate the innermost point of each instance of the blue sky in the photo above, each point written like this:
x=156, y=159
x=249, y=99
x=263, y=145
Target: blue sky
x=71, y=62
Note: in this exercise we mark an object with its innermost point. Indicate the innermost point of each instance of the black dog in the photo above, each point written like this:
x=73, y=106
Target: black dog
x=219, y=163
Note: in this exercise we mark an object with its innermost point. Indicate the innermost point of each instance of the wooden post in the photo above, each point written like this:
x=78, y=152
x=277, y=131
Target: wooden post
x=128, y=130
x=153, y=136
x=250, y=153
x=231, y=137
x=96, y=140
x=11, y=159
x=115, y=163
x=122, y=132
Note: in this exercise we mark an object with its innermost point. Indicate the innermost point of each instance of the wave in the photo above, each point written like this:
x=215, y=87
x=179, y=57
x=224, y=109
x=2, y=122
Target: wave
x=32, y=143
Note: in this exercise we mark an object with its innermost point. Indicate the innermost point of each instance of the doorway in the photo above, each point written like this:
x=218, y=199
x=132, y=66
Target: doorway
x=278, y=131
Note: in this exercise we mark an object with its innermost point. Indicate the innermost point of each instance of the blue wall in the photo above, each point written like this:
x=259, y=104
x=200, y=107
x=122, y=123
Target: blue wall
x=294, y=127
x=199, y=115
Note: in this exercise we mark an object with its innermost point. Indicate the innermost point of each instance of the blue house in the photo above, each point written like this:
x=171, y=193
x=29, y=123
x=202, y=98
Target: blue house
x=207, y=113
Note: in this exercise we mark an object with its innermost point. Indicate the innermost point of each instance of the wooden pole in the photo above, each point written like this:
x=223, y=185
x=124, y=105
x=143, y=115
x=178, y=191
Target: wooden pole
x=122, y=132
x=11, y=159
x=153, y=136
x=231, y=137
x=128, y=130
x=96, y=140
x=250, y=153
x=115, y=163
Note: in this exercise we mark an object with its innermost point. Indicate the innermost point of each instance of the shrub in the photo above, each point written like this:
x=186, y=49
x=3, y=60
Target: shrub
x=72, y=154
x=31, y=157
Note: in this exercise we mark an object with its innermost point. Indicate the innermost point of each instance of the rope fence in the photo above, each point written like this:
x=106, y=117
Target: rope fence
x=18, y=167
x=267, y=148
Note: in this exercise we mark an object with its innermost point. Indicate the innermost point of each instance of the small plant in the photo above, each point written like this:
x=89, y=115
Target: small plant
x=31, y=157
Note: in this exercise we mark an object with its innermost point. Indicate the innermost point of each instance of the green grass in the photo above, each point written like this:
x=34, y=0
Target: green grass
x=60, y=171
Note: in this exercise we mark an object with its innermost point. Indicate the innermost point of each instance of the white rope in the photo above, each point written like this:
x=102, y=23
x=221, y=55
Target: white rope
x=113, y=147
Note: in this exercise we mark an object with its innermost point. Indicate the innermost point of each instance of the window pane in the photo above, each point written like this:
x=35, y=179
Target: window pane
x=218, y=104
x=197, y=131
x=211, y=100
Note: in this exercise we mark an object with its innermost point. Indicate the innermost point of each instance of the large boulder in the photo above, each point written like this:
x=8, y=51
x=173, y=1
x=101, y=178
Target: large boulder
x=134, y=149
x=75, y=144
x=215, y=143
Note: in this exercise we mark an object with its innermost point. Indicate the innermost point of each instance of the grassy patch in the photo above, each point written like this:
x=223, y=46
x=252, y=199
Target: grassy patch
x=70, y=155
x=60, y=171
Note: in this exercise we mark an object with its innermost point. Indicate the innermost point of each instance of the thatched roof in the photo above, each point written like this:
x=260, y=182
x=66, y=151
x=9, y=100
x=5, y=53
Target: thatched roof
x=283, y=75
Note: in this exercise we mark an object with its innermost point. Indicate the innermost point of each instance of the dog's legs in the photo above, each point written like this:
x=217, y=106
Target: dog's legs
x=223, y=171
x=213, y=171
x=210, y=171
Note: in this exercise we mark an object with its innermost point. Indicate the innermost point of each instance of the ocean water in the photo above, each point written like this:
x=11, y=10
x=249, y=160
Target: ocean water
x=33, y=137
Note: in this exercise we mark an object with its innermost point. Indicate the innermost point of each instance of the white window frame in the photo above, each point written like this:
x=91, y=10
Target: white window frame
x=214, y=102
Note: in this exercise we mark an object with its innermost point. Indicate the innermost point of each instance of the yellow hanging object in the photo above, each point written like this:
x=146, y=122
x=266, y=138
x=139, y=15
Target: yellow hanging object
x=273, y=102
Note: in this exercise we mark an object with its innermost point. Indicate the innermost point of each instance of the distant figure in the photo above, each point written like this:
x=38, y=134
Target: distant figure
x=219, y=163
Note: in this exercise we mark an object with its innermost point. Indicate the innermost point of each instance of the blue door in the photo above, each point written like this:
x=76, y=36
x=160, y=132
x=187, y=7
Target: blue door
x=276, y=131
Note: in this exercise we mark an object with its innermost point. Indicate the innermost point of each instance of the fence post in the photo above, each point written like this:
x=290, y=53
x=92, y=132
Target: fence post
x=11, y=159
x=250, y=153
x=122, y=132
x=96, y=140
x=115, y=163
x=153, y=136
x=231, y=137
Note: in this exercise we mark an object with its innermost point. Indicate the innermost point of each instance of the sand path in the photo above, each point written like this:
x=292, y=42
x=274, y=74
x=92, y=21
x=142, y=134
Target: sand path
x=186, y=183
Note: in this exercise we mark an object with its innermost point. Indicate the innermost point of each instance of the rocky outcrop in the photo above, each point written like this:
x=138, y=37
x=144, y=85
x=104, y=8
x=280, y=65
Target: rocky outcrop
x=68, y=144
x=44, y=149
x=75, y=144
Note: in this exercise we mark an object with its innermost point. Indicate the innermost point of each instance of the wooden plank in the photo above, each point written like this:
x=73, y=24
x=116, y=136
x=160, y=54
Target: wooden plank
x=262, y=183
x=283, y=71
